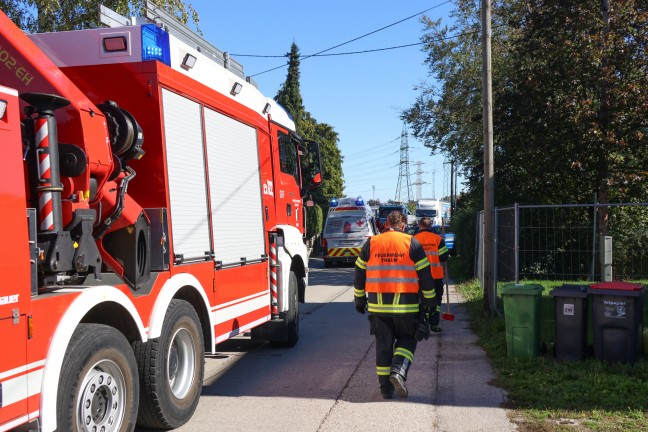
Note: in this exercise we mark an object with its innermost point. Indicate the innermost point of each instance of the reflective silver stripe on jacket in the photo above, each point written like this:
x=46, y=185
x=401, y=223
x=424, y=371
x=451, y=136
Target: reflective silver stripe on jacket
x=389, y=267
x=392, y=280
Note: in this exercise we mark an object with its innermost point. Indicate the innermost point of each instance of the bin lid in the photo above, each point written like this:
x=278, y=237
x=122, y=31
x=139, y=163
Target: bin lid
x=621, y=286
x=521, y=289
x=569, y=290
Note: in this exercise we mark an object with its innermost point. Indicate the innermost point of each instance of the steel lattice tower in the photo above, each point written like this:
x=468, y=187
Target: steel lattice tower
x=404, y=186
x=419, y=180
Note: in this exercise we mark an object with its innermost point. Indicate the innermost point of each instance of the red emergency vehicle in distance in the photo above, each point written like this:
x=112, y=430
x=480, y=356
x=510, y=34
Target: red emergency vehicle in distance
x=152, y=207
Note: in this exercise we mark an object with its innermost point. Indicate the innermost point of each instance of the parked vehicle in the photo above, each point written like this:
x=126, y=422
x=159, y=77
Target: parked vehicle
x=448, y=237
x=128, y=156
x=426, y=208
x=349, y=223
x=437, y=210
x=385, y=209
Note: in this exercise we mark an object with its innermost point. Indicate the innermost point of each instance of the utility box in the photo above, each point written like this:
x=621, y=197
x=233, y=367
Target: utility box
x=617, y=320
x=570, y=307
x=522, y=319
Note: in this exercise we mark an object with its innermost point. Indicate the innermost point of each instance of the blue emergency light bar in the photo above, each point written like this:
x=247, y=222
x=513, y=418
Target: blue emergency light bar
x=334, y=202
x=155, y=44
x=359, y=201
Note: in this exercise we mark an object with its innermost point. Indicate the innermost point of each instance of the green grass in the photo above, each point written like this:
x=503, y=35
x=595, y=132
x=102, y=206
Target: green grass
x=547, y=395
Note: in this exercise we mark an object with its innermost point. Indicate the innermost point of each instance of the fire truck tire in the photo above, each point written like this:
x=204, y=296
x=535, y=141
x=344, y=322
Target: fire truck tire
x=291, y=316
x=171, y=369
x=98, y=388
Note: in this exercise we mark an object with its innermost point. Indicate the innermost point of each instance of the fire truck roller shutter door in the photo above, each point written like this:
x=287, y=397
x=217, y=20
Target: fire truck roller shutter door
x=186, y=168
x=235, y=179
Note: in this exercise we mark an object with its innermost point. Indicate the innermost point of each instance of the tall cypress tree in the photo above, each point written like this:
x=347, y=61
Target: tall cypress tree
x=289, y=96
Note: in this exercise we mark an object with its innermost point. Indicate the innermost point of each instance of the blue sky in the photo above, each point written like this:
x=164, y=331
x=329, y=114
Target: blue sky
x=360, y=95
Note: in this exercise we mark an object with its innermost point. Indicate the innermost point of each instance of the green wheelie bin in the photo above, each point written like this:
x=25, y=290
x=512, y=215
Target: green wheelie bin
x=522, y=319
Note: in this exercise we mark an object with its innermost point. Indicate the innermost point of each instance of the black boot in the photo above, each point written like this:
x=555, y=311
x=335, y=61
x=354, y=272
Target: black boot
x=398, y=382
x=398, y=376
x=386, y=387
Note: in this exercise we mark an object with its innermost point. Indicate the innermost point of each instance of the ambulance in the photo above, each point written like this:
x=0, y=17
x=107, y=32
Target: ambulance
x=349, y=223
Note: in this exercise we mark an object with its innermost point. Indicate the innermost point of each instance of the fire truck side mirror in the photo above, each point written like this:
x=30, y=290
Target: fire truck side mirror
x=312, y=174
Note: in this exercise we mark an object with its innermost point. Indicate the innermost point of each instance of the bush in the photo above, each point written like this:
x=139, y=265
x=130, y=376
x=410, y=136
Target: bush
x=314, y=224
x=463, y=225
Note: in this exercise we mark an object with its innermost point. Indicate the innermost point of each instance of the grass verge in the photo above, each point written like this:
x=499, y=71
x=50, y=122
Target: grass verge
x=547, y=395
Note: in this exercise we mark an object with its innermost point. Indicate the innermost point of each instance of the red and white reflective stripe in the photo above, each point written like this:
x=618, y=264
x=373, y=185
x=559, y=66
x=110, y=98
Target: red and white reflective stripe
x=273, y=278
x=339, y=252
x=45, y=206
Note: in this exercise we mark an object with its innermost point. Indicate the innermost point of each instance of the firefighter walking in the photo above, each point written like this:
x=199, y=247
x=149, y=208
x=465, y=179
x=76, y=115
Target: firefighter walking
x=437, y=253
x=392, y=277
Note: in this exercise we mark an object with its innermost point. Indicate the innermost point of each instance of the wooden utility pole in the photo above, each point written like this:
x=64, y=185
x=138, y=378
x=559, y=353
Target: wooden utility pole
x=489, y=178
x=452, y=189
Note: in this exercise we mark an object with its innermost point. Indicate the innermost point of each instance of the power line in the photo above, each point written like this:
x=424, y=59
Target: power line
x=359, y=52
x=364, y=161
x=374, y=148
x=352, y=40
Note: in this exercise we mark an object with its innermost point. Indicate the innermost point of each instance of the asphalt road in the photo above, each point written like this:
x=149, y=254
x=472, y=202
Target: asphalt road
x=327, y=382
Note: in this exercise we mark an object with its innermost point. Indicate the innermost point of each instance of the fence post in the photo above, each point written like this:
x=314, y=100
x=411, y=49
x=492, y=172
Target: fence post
x=479, y=245
x=594, y=217
x=606, y=258
x=516, y=241
x=495, y=250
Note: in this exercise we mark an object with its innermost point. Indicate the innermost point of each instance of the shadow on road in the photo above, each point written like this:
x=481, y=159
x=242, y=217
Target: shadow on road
x=338, y=275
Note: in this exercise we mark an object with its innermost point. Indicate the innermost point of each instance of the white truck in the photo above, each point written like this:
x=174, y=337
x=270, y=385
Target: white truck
x=438, y=210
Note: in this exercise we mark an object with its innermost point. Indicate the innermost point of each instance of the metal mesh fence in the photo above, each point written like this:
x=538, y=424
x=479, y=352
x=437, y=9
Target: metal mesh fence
x=561, y=242
x=628, y=227
x=556, y=243
x=506, y=235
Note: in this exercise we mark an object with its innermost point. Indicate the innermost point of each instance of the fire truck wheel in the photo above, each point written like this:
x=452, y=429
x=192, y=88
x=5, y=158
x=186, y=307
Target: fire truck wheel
x=291, y=316
x=98, y=389
x=171, y=369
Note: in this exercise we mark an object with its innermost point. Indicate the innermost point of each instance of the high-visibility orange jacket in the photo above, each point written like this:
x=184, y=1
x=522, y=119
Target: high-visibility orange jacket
x=435, y=250
x=392, y=274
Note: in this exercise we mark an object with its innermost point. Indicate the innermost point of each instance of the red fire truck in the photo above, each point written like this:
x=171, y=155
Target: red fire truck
x=151, y=208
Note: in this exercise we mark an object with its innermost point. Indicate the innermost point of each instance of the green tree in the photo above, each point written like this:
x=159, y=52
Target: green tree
x=333, y=184
x=289, y=96
x=575, y=98
x=570, y=115
x=59, y=15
